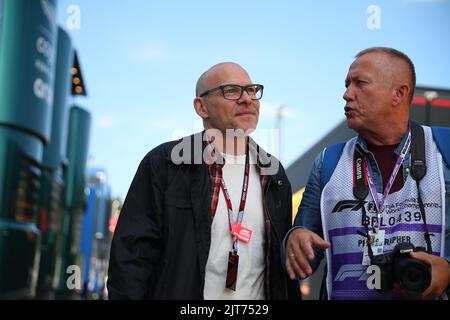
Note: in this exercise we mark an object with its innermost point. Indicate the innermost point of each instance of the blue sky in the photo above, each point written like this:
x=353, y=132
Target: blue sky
x=142, y=58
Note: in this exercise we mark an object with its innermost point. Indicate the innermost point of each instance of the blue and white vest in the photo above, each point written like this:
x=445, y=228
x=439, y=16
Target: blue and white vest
x=401, y=220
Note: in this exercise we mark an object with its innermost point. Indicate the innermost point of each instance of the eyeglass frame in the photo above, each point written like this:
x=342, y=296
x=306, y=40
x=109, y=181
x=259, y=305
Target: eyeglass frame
x=243, y=88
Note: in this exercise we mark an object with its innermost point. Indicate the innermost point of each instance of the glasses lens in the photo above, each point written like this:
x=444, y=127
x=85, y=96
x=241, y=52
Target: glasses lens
x=255, y=91
x=232, y=92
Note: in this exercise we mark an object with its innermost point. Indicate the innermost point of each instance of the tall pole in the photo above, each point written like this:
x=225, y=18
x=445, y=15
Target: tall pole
x=429, y=96
x=279, y=118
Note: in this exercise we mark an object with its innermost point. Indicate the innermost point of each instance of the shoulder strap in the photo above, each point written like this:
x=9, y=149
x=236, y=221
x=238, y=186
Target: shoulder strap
x=330, y=159
x=418, y=164
x=418, y=171
x=441, y=136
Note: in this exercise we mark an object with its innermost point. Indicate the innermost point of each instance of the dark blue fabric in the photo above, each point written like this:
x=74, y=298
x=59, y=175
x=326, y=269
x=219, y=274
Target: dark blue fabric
x=441, y=136
x=330, y=160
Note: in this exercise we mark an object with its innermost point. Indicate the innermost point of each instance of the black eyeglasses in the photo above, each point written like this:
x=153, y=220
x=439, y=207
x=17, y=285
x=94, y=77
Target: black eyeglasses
x=235, y=91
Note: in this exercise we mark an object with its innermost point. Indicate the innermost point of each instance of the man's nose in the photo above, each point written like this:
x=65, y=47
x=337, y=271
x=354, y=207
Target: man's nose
x=245, y=97
x=348, y=94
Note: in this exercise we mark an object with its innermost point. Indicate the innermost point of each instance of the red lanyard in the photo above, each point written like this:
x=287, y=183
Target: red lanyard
x=237, y=231
x=244, y=192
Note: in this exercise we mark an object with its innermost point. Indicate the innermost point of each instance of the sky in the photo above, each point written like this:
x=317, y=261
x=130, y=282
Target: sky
x=141, y=60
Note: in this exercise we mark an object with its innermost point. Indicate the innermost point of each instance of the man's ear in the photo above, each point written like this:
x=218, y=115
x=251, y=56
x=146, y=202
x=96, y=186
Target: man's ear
x=400, y=94
x=200, y=108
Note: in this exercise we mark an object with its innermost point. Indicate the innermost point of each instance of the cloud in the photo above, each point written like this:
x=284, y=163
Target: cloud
x=106, y=121
x=150, y=54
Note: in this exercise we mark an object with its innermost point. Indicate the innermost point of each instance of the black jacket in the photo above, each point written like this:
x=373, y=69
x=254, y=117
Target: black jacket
x=161, y=243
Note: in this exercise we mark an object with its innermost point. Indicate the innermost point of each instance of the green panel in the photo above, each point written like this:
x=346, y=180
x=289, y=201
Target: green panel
x=77, y=151
x=27, y=57
x=19, y=174
x=1, y=22
x=19, y=185
x=55, y=151
x=49, y=223
x=50, y=196
x=18, y=244
x=74, y=194
x=65, y=254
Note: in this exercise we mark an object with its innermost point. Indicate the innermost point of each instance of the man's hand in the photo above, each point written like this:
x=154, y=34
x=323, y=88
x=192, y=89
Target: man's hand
x=440, y=275
x=299, y=250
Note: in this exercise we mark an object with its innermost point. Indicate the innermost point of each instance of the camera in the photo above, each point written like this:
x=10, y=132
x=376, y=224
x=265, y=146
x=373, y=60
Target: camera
x=398, y=266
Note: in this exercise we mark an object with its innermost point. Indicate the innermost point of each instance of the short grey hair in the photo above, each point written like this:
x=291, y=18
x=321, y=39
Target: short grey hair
x=399, y=55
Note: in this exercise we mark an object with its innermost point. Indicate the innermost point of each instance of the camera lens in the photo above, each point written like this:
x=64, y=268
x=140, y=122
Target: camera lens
x=412, y=275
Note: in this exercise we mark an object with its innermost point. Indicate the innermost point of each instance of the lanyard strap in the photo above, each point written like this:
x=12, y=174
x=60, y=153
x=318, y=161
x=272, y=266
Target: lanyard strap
x=224, y=188
x=244, y=192
x=379, y=203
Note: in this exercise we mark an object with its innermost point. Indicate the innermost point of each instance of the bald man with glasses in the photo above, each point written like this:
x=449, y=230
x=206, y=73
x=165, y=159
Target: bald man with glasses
x=205, y=215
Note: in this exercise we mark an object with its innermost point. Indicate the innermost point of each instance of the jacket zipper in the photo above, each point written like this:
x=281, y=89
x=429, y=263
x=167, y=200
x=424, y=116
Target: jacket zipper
x=276, y=235
x=267, y=211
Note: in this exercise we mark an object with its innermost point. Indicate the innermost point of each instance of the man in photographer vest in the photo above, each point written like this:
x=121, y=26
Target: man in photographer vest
x=388, y=188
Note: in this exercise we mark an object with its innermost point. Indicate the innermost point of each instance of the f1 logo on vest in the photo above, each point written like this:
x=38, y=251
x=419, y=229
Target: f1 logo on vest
x=355, y=205
x=351, y=271
x=372, y=274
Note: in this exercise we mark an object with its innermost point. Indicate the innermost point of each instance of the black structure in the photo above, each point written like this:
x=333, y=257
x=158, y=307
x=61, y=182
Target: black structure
x=78, y=85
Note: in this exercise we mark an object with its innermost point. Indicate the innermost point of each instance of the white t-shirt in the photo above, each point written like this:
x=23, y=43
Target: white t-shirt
x=250, y=279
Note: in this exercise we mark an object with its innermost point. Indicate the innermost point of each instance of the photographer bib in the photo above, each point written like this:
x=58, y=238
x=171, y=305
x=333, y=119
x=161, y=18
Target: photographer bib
x=400, y=221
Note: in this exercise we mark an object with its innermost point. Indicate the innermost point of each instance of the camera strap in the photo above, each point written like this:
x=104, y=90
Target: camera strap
x=360, y=192
x=418, y=171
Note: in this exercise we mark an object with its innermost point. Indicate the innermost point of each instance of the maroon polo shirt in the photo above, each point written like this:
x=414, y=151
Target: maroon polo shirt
x=386, y=159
